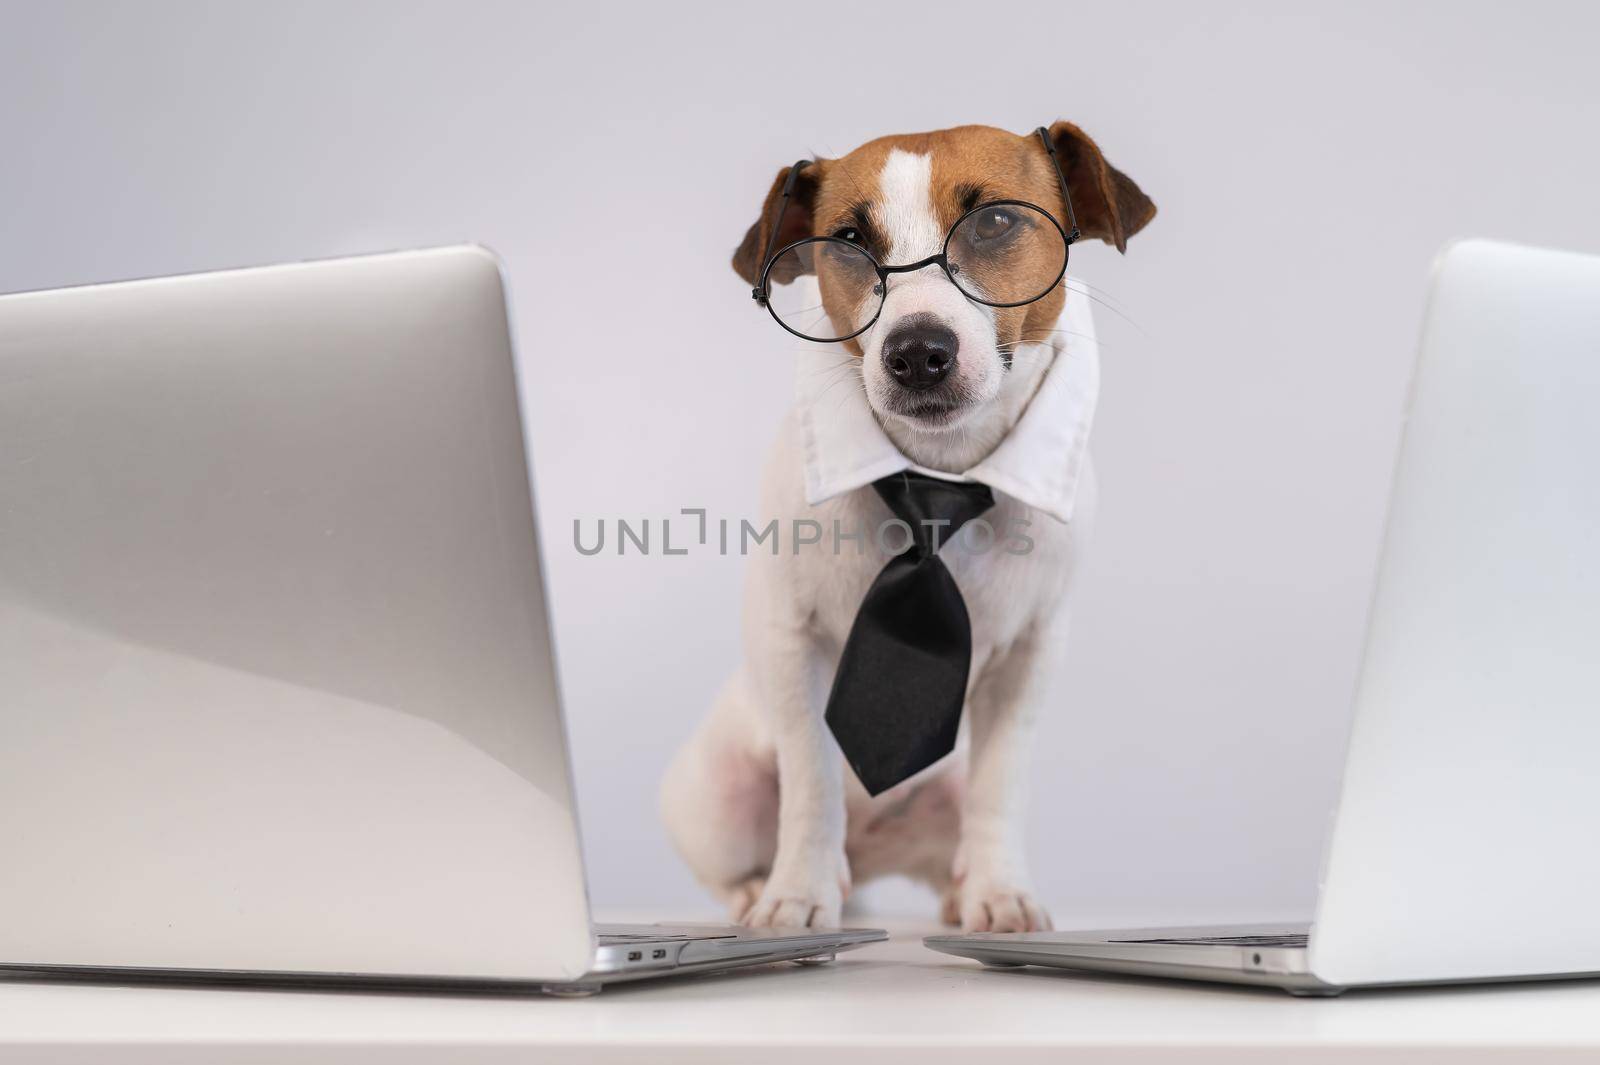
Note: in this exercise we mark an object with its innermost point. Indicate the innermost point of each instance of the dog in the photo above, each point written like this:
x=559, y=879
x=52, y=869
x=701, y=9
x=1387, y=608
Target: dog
x=760, y=802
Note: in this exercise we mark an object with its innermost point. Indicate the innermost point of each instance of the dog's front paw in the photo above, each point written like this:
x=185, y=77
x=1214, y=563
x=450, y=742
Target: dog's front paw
x=811, y=902
x=1000, y=909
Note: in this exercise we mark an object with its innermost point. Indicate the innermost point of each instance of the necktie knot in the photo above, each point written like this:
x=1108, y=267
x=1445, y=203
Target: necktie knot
x=934, y=509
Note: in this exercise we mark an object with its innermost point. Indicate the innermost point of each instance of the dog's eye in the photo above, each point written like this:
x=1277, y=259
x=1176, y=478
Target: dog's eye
x=850, y=234
x=993, y=223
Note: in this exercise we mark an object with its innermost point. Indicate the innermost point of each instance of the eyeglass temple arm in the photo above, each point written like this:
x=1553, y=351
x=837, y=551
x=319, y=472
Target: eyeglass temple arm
x=1066, y=197
x=759, y=293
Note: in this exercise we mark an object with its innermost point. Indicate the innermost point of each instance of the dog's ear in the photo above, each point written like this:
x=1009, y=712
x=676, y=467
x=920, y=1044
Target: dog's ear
x=797, y=222
x=1109, y=206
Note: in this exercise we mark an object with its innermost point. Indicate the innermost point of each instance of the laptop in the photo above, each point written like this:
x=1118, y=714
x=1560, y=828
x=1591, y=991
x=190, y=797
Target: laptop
x=1464, y=841
x=278, y=701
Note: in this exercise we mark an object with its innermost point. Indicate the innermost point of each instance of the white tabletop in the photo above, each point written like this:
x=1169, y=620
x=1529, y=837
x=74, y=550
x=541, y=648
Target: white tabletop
x=894, y=1002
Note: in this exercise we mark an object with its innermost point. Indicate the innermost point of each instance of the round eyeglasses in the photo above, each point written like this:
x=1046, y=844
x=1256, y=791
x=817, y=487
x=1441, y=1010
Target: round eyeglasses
x=1002, y=253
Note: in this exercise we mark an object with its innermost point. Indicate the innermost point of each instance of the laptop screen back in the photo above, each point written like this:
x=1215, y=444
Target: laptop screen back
x=276, y=689
x=1464, y=840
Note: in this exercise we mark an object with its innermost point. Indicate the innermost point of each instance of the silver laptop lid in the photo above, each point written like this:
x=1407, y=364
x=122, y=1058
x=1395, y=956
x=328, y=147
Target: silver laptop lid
x=276, y=686
x=1464, y=843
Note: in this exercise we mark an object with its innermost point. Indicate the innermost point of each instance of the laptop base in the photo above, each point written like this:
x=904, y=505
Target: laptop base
x=639, y=952
x=1261, y=955
x=684, y=949
x=1236, y=954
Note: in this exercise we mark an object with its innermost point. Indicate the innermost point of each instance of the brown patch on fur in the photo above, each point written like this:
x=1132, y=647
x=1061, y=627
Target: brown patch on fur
x=1110, y=206
x=797, y=222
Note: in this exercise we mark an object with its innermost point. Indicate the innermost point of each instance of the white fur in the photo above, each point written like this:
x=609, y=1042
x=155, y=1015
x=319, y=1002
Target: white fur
x=904, y=212
x=788, y=856
x=903, y=209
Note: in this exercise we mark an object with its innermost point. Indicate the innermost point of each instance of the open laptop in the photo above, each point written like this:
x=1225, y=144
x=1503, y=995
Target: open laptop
x=277, y=694
x=1464, y=845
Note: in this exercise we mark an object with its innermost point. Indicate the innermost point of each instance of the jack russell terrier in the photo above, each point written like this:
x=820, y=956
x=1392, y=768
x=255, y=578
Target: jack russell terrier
x=953, y=389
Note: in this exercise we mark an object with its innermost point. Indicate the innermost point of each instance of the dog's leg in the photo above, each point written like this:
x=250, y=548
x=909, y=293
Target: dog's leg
x=994, y=893
x=809, y=877
x=719, y=800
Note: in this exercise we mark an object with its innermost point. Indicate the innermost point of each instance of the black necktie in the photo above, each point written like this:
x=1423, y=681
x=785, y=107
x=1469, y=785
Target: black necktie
x=896, y=701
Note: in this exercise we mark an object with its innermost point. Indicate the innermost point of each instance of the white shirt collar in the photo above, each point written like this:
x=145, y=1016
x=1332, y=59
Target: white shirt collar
x=1039, y=462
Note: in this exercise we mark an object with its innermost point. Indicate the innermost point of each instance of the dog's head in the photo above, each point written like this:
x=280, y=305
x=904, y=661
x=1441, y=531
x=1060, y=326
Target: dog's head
x=934, y=358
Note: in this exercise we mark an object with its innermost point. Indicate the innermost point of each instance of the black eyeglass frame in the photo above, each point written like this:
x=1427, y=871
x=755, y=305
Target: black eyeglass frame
x=761, y=292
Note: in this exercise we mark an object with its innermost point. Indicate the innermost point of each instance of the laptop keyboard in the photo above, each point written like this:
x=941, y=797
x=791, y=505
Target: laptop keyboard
x=1285, y=939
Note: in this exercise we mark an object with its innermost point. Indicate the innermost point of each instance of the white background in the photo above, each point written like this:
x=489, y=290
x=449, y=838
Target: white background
x=1307, y=161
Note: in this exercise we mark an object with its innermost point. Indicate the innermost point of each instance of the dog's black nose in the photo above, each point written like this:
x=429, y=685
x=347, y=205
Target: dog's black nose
x=920, y=353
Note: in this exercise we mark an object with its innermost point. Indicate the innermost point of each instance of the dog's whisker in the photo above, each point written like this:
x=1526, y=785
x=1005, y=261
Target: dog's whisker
x=795, y=322
x=837, y=368
x=1098, y=295
x=844, y=396
x=1113, y=308
x=1040, y=336
x=1078, y=284
x=842, y=376
x=844, y=363
x=1066, y=352
x=832, y=367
